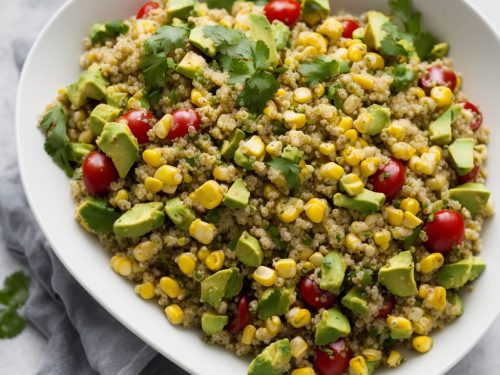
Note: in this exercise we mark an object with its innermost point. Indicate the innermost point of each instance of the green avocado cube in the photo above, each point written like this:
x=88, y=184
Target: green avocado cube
x=293, y=154
x=398, y=275
x=248, y=250
x=213, y=323
x=456, y=302
x=314, y=11
x=115, y=98
x=243, y=161
x=180, y=8
x=440, y=50
x=180, y=214
x=95, y=215
x=333, y=270
x=374, y=31
x=139, y=220
x=380, y=119
x=274, y=301
x=440, y=129
x=365, y=202
x=478, y=267
x=191, y=65
x=260, y=30
x=332, y=326
x=226, y=283
x=101, y=115
x=355, y=300
x=471, y=195
x=237, y=196
x=455, y=275
x=273, y=360
x=230, y=146
x=198, y=39
x=281, y=34
x=79, y=151
x=462, y=153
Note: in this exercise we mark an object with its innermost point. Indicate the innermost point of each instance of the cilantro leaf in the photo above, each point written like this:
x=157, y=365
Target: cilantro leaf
x=100, y=32
x=390, y=45
x=239, y=70
x=333, y=95
x=424, y=45
x=15, y=290
x=321, y=69
x=166, y=39
x=261, y=53
x=258, y=90
x=288, y=169
x=11, y=324
x=403, y=78
x=221, y=4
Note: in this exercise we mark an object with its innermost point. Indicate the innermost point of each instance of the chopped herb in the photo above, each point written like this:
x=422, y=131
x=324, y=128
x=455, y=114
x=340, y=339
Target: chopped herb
x=373, y=332
x=333, y=95
x=411, y=239
x=322, y=69
x=12, y=296
x=288, y=169
x=403, y=78
x=258, y=90
x=99, y=33
x=275, y=235
x=367, y=278
x=278, y=127
x=193, y=161
x=173, y=97
x=391, y=45
x=213, y=216
x=308, y=240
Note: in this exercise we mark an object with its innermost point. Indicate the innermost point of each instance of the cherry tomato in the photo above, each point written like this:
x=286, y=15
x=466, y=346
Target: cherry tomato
x=349, y=27
x=98, y=173
x=242, y=317
x=313, y=295
x=333, y=359
x=471, y=176
x=386, y=309
x=286, y=11
x=139, y=122
x=438, y=76
x=445, y=230
x=146, y=8
x=389, y=179
x=478, y=116
x=182, y=120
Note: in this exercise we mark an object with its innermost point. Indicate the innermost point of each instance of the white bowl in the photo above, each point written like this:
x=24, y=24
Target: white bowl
x=53, y=63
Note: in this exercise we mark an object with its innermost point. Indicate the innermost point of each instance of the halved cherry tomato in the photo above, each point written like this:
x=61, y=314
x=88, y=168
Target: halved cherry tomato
x=333, y=359
x=471, y=176
x=140, y=122
x=182, y=120
x=286, y=11
x=313, y=295
x=98, y=173
x=389, y=179
x=445, y=230
x=387, y=307
x=478, y=116
x=349, y=27
x=146, y=8
x=242, y=318
x=438, y=76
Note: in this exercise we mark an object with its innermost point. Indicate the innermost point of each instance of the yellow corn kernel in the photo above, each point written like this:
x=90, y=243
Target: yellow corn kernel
x=254, y=147
x=302, y=95
x=422, y=344
x=286, y=268
x=308, y=266
x=352, y=183
x=402, y=151
x=262, y=334
x=352, y=241
x=170, y=287
x=362, y=122
x=202, y=231
x=331, y=28
x=162, y=127
x=394, y=216
x=353, y=156
x=410, y=205
x=198, y=98
x=423, y=290
x=431, y=263
x=411, y=221
x=319, y=90
x=280, y=93
x=274, y=148
x=437, y=298
x=169, y=175
x=145, y=251
x=327, y=149
x=303, y=371
x=346, y=123
x=369, y=166
x=424, y=325
x=394, y=358
x=429, y=162
x=399, y=323
x=288, y=210
x=121, y=195
x=187, y=263
x=146, y=290
x=175, y=314
x=153, y=185
x=215, y=261
x=122, y=265
x=133, y=103
x=270, y=109
x=418, y=92
x=208, y=195
x=374, y=61
x=294, y=120
x=298, y=317
x=356, y=52
x=364, y=80
x=436, y=183
x=248, y=334
x=273, y=325
x=270, y=192
x=316, y=210
x=181, y=241
x=382, y=239
x=397, y=131
x=203, y=254
x=352, y=136
x=436, y=150
x=442, y=95
x=152, y=157
x=372, y=355
x=358, y=365
x=298, y=347
x=220, y=173
x=308, y=38
x=265, y=276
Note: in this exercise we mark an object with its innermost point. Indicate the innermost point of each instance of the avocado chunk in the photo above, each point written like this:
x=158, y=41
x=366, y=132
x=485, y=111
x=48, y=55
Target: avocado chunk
x=314, y=11
x=281, y=34
x=139, y=220
x=462, y=153
x=180, y=8
x=213, y=323
x=230, y=146
x=381, y=118
x=440, y=50
x=365, y=202
x=248, y=250
x=222, y=284
x=478, y=267
x=191, y=65
x=260, y=30
x=273, y=360
x=79, y=151
x=90, y=85
x=274, y=301
x=243, y=161
x=440, y=129
x=471, y=195
x=372, y=366
x=374, y=31
x=398, y=275
x=455, y=275
x=355, y=300
x=198, y=39
x=332, y=326
x=237, y=196
x=119, y=144
x=95, y=215
x=115, y=98
x=101, y=115
x=180, y=214
x=293, y=154
x=456, y=302
x=332, y=272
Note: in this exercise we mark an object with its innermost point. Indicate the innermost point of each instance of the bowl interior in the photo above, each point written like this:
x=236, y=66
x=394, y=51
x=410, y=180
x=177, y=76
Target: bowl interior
x=53, y=63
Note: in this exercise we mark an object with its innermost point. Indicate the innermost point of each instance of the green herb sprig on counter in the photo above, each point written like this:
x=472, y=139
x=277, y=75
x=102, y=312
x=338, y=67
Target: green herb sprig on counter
x=12, y=296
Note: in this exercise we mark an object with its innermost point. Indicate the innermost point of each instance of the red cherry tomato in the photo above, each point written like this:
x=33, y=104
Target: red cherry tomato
x=182, y=120
x=471, y=176
x=146, y=8
x=438, y=76
x=389, y=179
x=333, y=359
x=478, y=116
x=242, y=317
x=286, y=11
x=349, y=27
x=139, y=122
x=313, y=295
x=98, y=173
x=446, y=230
x=386, y=309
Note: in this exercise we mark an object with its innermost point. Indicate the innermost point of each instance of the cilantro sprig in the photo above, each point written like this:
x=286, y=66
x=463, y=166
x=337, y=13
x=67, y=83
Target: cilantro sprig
x=12, y=296
x=403, y=78
x=99, y=33
x=322, y=69
x=288, y=169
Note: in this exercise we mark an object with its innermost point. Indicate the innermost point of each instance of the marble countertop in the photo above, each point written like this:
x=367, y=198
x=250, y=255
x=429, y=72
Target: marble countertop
x=20, y=22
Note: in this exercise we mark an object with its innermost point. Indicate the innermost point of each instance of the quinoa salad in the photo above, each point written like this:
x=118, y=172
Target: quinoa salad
x=307, y=189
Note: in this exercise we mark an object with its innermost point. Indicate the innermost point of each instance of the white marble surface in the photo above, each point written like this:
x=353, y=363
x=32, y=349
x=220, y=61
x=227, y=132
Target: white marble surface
x=20, y=22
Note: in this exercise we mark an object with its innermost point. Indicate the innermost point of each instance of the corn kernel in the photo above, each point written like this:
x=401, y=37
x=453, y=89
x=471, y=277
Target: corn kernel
x=418, y=92
x=331, y=171
x=364, y=80
x=169, y=175
x=274, y=148
x=410, y=220
x=302, y=95
x=394, y=358
x=248, y=334
x=410, y=205
x=208, y=195
x=221, y=174
x=358, y=365
x=397, y=131
x=356, y=52
x=181, y=241
x=286, y=268
x=145, y=251
x=270, y=109
x=352, y=184
x=298, y=347
x=346, y=123
x=424, y=325
x=175, y=314
x=303, y=371
x=442, y=95
x=254, y=147
x=353, y=156
x=307, y=266
x=121, y=195
x=187, y=263
x=316, y=210
x=374, y=61
x=422, y=344
x=382, y=239
x=170, y=287
x=327, y=149
x=162, y=127
x=394, y=216
x=332, y=29
x=203, y=254
x=369, y=166
x=400, y=324
x=294, y=120
x=262, y=334
x=431, y=263
x=307, y=38
x=316, y=258
x=402, y=151
x=372, y=355
x=265, y=276
x=352, y=136
x=198, y=98
x=352, y=241
x=202, y=231
x=362, y=123
x=319, y=90
x=122, y=265
x=288, y=210
x=215, y=261
x=298, y=317
x=273, y=325
x=423, y=290
x=152, y=157
x=153, y=185
x=146, y=290
x=270, y=192
x=437, y=298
